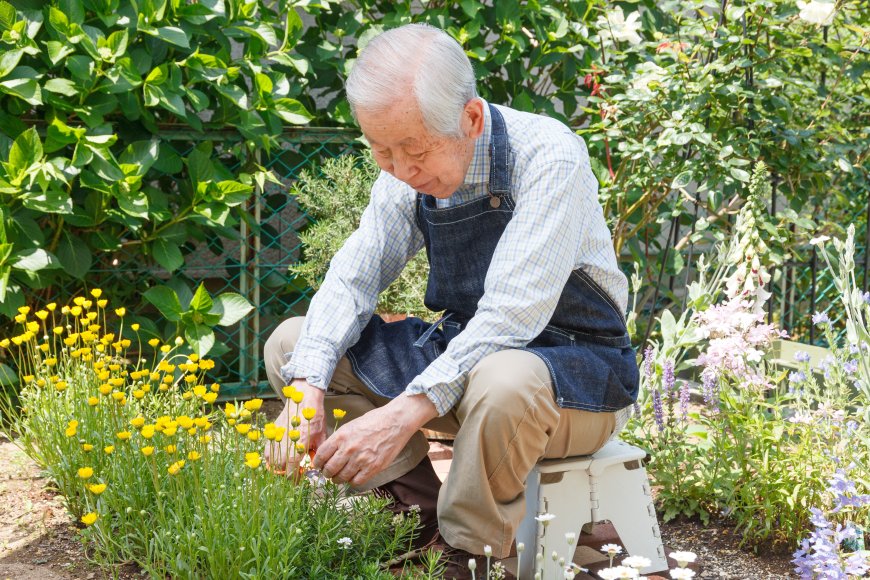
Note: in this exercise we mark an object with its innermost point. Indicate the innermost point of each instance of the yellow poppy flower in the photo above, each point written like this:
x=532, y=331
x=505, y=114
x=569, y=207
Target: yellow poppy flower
x=89, y=518
x=243, y=428
x=147, y=431
x=135, y=327
x=294, y=435
x=137, y=421
x=308, y=413
x=252, y=460
x=121, y=312
x=85, y=472
x=109, y=449
x=288, y=391
x=338, y=413
x=96, y=292
x=300, y=448
x=210, y=397
x=297, y=397
x=123, y=435
x=254, y=435
x=170, y=449
x=193, y=455
x=175, y=467
x=253, y=405
x=147, y=451
x=87, y=447
x=97, y=488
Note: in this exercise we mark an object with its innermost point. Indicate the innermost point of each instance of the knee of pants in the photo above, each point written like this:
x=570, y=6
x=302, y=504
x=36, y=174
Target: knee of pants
x=507, y=381
x=281, y=341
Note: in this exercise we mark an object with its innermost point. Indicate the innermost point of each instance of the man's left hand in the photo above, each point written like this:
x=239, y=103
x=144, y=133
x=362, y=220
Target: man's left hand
x=367, y=445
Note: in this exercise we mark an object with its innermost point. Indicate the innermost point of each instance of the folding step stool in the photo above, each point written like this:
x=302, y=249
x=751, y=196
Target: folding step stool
x=609, y=485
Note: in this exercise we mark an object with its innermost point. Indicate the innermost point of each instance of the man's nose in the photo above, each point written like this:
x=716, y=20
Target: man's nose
x=404, y=169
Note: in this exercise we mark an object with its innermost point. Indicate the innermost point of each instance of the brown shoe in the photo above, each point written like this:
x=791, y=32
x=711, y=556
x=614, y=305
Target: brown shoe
x=462, y=565
x=417, y=491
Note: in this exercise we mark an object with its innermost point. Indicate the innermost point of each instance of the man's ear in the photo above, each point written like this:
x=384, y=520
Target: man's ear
x=473, y=119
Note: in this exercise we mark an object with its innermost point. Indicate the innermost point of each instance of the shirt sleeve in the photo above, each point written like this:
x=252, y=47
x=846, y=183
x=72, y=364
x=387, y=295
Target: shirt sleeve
x=528, y=272
x=371, y=258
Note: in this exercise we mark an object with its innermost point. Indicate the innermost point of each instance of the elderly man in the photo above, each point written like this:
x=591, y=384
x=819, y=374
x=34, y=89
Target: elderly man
x=531, y=359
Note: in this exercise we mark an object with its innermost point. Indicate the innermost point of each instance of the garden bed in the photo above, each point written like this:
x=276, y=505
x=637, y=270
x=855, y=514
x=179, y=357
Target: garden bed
x=40, y=541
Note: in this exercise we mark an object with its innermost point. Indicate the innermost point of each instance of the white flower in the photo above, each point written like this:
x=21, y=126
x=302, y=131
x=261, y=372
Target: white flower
x=570, y=538
x=611, y=549
x=683, y=558
x=472, y=564
x=487, y=550
x=637, y=562
x=615, y=27
x=520, y=547
x=618, y=572
x=817, y=12
x=345, y=542
x=819, y=240
x=650, y=72
x=682, y=574
x=545, y=519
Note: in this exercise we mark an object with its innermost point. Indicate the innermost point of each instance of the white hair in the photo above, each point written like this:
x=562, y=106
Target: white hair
x=419, y=58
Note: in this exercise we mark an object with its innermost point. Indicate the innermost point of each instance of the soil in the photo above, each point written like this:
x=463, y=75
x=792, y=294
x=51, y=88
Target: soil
x=39, y=541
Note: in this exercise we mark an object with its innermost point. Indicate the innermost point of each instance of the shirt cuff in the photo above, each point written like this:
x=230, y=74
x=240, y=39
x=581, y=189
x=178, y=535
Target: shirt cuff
x=310, y=363
x=443, y=382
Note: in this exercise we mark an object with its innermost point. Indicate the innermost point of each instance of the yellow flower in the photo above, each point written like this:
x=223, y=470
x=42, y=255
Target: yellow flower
x=244, y=413
x=295, y=420
x=75, y=311
x=50, y=362
x=193, y=455
x=170, y=431
x=42, y=314
x=165, y=348
x=97, y=488
x=5, y=342
x=93, y=401
x=51, y=306
x=191, y=379
x=201, y=421
x=206, y=365
x=288, y=391
x=199, y=390
x=121, y=311
x=85, y=472
x=102, y=303
x=205, y=439
x=96, y=292
x=187, y=395
x=231, y=422
x=193, y=357
x=253, y=405
x=105, y=389
x=215, y=387
x=89, y=518
x=24, y=310
x=308, y=413
x=191, y=431
x=252, y=460
x=154, y=342
x=118, y=395
x=170, y=449
x=338, y=413
x=297, y=397
x=147, y=451
x=79, y=300
x=33, y=326
x=109, y=449
x=175, y=467
x=137, y=421
x=147, y=431
x=28, y=378
x=87, y=447
x=230, y=410
x=135, y=327
x=123, y=435
x=300, y=448
x=184, y=421
x=294, y=435
x=254, y=435
x=243, y=428
x=138, y=393
x=210, y=397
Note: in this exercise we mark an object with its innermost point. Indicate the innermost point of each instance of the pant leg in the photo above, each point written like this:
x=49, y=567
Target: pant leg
x=345, y=392
x=508, y=421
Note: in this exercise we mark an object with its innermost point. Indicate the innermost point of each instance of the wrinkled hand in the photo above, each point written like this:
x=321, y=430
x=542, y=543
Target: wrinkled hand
x=281, y=452
x=365, y=446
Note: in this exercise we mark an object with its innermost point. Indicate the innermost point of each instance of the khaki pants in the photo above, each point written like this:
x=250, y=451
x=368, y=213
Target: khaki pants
x=505, y=423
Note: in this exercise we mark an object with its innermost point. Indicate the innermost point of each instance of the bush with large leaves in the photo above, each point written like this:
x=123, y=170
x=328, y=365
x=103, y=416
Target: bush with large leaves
x=106, y=110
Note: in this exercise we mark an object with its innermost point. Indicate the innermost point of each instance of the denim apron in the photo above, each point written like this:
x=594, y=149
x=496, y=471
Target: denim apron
x=585, y=345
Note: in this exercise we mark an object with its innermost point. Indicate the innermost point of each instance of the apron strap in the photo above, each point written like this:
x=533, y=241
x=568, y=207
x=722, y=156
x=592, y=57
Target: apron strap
x=421, y=342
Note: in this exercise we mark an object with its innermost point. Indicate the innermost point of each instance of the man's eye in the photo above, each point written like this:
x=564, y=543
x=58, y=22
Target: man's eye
x=417, y=156
x=382, y=152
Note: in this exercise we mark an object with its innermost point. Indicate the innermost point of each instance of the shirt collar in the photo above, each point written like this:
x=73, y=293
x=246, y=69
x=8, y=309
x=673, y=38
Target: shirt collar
x=478, y=171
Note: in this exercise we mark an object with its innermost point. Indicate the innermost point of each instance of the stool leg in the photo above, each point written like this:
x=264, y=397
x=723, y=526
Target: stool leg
x=567, y=496
x=527, y=532
x=624, y=498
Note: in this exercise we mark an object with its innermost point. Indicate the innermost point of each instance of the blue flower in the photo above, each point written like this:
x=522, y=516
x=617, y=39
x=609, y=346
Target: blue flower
x=821, y=318
x=850, y=366
x=802, y=356
x=796, y=377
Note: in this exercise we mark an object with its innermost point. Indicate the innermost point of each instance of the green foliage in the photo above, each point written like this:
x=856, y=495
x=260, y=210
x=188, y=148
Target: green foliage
x=102, y=105
x=336, y=201
x=200, y=313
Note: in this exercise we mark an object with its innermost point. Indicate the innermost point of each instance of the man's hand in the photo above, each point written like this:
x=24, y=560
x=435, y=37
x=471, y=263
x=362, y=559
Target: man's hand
x=365, y=446
x=312, y=436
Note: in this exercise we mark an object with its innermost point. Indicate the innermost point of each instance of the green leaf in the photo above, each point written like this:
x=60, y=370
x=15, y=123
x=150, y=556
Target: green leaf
x=74, y=256
x=233, y=193
x=34, y=260
x=57, y=51
x=201, y=301
x=231, y=307
x=200, y=338
x=739, y=174
x=292, y=111
x=172, y=35
x=682, y=180
x=61, y=86
x=9, y=61
x=166, y=301
x=25, y=152
x=134, y=203
x=25, y=89
x=167, y=255
x=8, y=377
x=59, y=21
x=117, y=42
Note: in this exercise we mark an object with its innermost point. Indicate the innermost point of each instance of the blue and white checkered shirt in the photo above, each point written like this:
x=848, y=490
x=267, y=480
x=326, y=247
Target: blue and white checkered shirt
x=558, y=226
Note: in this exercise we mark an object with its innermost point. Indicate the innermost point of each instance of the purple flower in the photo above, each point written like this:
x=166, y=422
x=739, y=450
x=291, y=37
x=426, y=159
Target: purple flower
x=684, y=400
x=709, y=381
x=850, y=366
x=796, y=377
x=668, y=378
x=648, y=362
x=857, y=565
x=866, y=297
x=802, y=356
x=658, y=411
x=854, y=349
x=820, y=318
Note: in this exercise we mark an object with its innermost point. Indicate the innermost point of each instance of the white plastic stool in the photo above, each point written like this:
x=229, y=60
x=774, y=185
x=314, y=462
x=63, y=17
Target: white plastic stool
x=609, y=485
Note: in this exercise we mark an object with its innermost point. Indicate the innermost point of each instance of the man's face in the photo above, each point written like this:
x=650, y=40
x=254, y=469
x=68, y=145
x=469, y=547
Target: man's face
x=404, y=148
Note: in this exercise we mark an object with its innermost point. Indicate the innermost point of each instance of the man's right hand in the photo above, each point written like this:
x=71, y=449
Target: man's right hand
x=312, y=433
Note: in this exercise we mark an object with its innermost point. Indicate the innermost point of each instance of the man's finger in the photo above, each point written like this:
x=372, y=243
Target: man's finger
x=324, y=453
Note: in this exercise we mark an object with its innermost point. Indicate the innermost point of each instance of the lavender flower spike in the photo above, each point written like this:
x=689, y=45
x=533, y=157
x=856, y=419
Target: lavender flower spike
x=821, y=318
